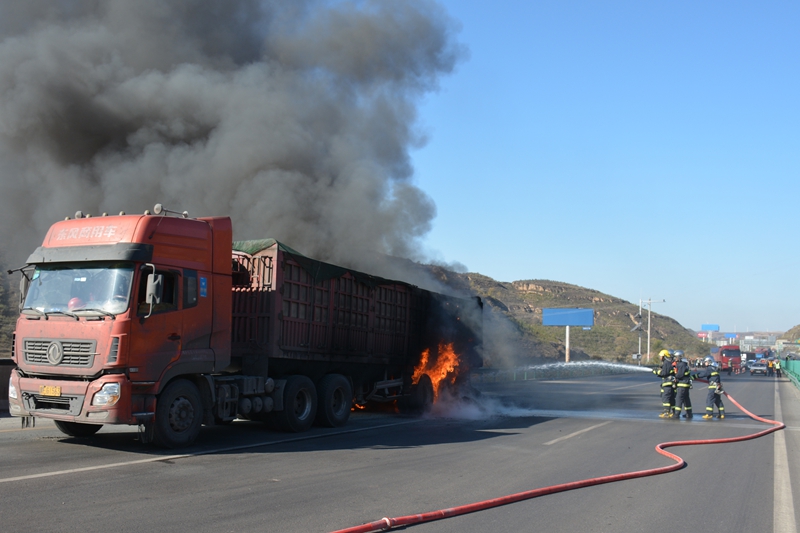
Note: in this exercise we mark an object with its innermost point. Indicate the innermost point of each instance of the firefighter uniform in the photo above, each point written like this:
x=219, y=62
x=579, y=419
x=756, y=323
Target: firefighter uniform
x=683, y=383
x=714, y=391
x=667, y=374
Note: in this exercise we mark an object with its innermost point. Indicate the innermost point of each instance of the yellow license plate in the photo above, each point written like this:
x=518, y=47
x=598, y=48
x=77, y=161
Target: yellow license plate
x=49, y=390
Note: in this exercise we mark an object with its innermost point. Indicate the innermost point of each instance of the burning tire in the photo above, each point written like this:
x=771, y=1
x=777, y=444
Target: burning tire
x=335, y=401
x=76, y=429
x=299, y=405
x=179, y=415
x=420, y=398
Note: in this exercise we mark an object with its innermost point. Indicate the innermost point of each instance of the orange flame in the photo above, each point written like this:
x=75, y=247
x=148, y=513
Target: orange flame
x=445, y=369
x=421, y=367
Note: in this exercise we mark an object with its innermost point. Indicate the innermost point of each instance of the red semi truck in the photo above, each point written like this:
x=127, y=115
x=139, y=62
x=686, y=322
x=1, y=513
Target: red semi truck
x=164, y=322
x=729, y=358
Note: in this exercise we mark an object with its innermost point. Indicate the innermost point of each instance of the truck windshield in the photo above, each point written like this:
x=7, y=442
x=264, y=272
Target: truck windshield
x=80, y=289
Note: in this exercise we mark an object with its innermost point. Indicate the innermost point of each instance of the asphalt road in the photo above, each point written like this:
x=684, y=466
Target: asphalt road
x=515, y=437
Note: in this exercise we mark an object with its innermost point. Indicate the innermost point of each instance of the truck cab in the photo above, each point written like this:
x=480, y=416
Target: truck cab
x=729, y=358
x=115, y=308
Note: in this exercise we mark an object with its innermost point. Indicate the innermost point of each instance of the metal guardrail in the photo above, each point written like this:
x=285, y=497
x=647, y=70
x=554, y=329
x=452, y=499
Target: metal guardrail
x=791, y=369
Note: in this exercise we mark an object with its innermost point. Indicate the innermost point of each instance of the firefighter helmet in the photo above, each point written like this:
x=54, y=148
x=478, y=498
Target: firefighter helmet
x=678, y=353
x=663, y=354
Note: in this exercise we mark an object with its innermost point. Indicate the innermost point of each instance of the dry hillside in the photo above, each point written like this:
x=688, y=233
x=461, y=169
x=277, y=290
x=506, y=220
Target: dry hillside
x=516, y=308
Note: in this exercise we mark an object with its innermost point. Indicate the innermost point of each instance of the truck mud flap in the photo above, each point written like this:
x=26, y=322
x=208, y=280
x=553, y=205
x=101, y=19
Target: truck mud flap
x=277, y=394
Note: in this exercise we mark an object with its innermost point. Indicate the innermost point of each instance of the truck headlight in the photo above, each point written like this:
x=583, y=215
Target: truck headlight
x=107, y=396
x=12, y=390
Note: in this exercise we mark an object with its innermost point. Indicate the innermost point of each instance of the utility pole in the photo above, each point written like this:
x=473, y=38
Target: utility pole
x=638, y=328
x=649, y=303
x=639, y=317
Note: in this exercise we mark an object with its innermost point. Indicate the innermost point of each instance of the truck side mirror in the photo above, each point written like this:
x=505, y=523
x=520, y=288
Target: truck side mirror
x=24, y=284
x=155, y=290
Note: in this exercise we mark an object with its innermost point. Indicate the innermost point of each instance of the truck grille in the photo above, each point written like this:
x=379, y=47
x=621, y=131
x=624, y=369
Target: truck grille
x=63, y=405
x=73, y=352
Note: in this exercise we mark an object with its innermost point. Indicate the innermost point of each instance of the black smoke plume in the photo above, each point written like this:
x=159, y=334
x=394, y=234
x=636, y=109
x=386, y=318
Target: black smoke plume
x=294, y=117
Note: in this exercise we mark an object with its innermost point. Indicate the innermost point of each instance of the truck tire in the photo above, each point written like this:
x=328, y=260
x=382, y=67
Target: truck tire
x=419, y=399
x=76, y=429
x=335, y=401
x=179, y=415
x=299, y=405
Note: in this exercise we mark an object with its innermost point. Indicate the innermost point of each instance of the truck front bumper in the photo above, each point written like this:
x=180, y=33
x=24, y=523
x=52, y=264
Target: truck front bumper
x=69, y=401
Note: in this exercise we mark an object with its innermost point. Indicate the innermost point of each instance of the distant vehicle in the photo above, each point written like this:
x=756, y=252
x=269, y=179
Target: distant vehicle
x=729, y=357
x=758, y=367
x=763, y=353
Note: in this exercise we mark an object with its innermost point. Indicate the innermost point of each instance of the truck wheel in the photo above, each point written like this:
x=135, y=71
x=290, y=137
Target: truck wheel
x=335, y=401
x=420, y=399
x=425, y=393
x=76, y=429
x=299, y=405
x=179, y=415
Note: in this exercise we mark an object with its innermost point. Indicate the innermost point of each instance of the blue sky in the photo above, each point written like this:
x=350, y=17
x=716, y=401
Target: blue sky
x=643, y=149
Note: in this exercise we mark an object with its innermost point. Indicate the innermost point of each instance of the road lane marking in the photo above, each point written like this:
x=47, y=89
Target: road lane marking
x=565, y=437
x=782, y=501
x=199, y=453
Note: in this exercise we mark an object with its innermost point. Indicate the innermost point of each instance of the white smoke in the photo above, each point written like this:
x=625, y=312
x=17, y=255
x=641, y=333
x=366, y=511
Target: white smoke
x=468, y=403
x=296, y=118
x=475, y=407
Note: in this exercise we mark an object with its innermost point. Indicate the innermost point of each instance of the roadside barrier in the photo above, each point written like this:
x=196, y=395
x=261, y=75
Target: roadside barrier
x=385, y=524
x=791, y=369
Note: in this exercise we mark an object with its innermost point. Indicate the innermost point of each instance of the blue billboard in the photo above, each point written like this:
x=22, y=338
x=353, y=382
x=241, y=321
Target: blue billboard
x=709, y=327
x=731, y=335
x=570, y=316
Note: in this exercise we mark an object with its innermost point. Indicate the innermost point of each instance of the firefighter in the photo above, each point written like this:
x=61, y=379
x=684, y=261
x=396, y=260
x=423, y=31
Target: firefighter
x=667, y=375
x=714, y=391
x=683, y=383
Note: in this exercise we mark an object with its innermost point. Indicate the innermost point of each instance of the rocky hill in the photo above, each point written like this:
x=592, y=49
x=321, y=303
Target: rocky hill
x=515, y=334
x=793, y=334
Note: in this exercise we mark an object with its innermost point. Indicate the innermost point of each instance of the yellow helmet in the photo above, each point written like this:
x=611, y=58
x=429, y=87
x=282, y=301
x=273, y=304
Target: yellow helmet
x=664, y=353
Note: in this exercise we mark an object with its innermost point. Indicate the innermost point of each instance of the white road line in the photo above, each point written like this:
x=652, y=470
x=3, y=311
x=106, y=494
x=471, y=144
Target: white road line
x=565, y=437
x=783, y=504
x=197, y=454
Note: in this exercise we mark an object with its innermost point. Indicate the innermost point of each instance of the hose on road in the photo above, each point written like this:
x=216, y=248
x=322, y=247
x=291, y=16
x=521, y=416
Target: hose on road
x=385, y=524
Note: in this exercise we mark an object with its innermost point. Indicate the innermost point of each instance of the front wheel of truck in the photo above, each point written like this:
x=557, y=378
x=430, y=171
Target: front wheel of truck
x=179, y=415
x=76, y=429
x=299, y=405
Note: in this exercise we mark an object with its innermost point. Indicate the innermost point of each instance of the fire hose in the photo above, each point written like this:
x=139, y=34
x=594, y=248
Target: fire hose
x=385, y=524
